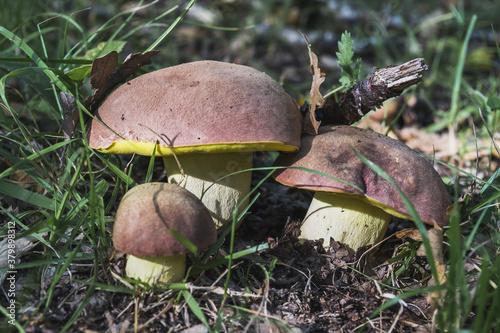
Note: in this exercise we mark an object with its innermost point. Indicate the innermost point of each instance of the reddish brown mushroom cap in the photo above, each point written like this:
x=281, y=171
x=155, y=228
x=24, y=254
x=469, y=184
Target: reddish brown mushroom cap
x=200, y=106
x=331, y=152
x=148, y=211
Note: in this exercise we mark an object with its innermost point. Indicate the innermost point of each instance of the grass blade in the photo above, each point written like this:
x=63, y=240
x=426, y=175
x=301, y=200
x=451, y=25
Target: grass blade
x=195, y=307
x=22, y=194
x=458, y=72
x=172, y=26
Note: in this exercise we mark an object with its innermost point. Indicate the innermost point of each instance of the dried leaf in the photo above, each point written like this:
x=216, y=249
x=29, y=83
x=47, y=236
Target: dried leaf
x=132, y=63
x=23, y=179
x=20, y=246
x=436, y=242
x=68, y=104
x=102, y=69
x=104, y=78
x=411, y=233
x=311, y=125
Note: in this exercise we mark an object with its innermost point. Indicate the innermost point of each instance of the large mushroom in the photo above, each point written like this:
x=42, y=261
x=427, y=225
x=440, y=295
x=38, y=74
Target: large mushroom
x=359, y=215
x=212, y=114
x=144, y=220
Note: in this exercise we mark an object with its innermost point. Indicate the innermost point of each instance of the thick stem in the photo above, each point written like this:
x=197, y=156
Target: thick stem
x=346, y=219
x=168, y=269
x=202, y=173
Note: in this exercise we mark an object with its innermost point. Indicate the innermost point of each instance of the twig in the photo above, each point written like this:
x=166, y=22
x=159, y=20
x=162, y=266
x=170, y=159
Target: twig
x=366, y=95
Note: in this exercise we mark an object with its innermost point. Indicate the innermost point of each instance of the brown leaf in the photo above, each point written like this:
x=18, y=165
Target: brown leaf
x=23, y=179
x=70, y=120
x=411, y=233
x=311, y=125
x=67, y=102
x=102, y=69
x=21, y=246
x=132, y=63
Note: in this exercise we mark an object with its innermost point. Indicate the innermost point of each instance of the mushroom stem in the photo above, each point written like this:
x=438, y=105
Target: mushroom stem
x=345, y=218
x=202, y=173
x=167, y=269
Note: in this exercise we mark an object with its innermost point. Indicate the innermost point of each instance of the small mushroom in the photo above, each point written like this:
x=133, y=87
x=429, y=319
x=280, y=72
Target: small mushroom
x=214, y=115
x=142, y=227
x=359, y=215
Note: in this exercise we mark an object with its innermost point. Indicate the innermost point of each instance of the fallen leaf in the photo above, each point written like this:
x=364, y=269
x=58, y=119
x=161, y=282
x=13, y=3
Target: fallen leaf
x=20, y=246
x=311, y=125
x=68, y=104
x=22, y=179
x=101, y=80
x=411, y=233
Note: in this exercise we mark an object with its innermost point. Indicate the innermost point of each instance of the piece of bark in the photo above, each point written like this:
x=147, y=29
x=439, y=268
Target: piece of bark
x=382, y=84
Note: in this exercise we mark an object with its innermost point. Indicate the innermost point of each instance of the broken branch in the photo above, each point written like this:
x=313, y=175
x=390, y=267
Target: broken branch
x=368, y=94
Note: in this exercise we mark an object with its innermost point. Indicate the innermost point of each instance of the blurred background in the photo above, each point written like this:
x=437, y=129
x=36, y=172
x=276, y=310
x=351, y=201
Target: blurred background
x=265, y=34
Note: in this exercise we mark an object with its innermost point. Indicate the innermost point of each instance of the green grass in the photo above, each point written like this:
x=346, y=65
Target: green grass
x=65, y=208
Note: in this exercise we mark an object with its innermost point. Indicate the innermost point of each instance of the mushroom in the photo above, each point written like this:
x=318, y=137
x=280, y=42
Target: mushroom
x=213, y=115
x=145, y=216
x=357, y=211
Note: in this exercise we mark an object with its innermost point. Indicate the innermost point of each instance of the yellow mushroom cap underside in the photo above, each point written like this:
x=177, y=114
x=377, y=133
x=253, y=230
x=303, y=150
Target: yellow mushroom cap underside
x=205, y=106
x=147, y=148
x=372, y=202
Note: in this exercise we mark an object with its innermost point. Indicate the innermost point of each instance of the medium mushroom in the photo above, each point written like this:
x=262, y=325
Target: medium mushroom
x=212, y=114
x=142, y=227
x=359, y=215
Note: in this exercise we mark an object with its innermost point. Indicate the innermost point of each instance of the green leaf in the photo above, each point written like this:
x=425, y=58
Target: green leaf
x=357, y=69
x=119, y=173
x=496, y=40
x=149, y=174
x=107, y=287
x=494, y=103
x=345, y=80
x=79, y=73
x=104, y=48
x=345, y=50
x=350, y=74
